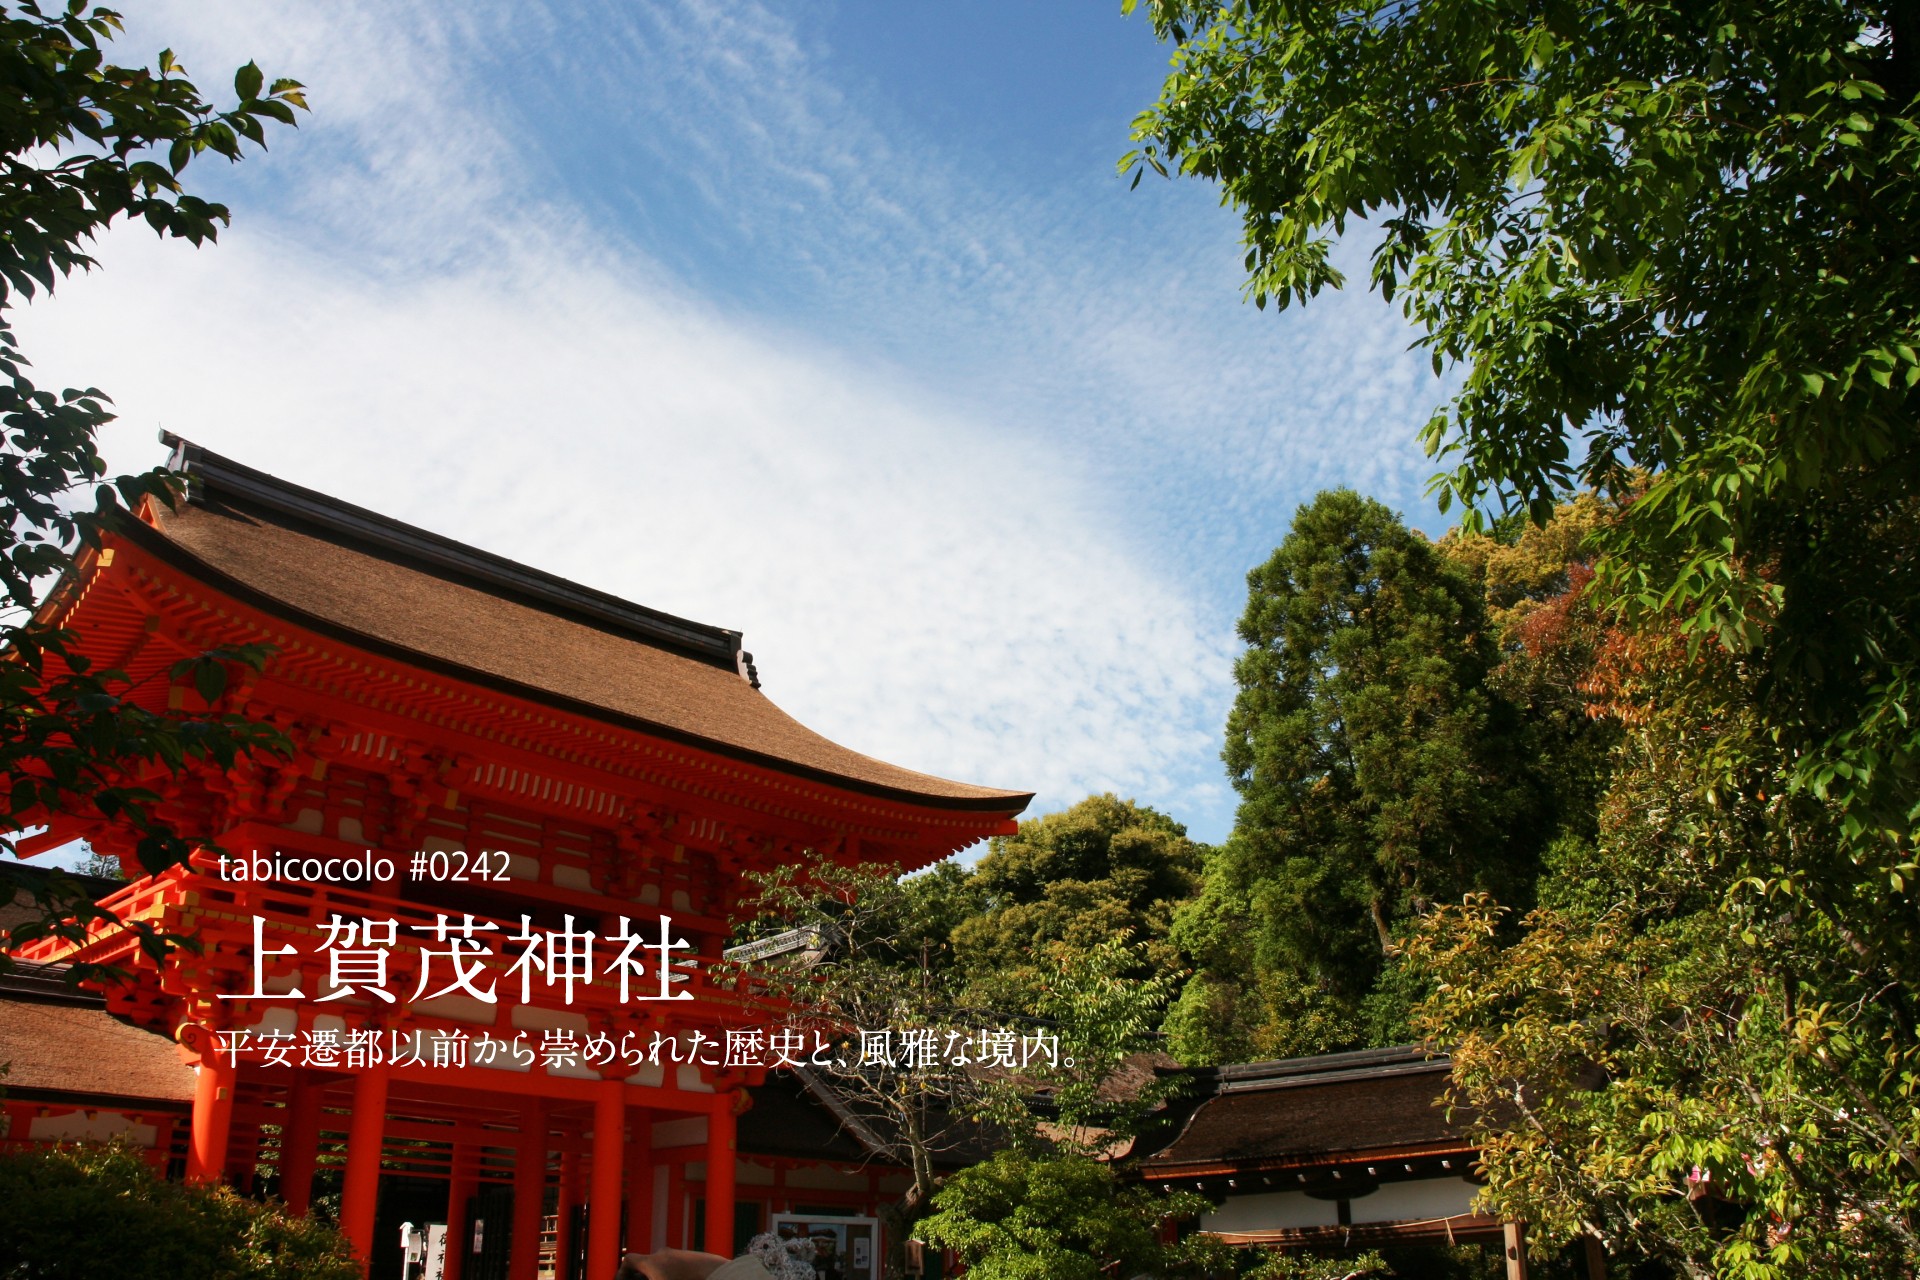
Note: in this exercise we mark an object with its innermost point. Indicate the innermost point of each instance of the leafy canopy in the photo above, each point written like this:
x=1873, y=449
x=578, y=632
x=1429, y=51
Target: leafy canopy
x=85, y=142
x=1102, y=869
x=1720, y=1079
x=885, y=965
x=1673, y=250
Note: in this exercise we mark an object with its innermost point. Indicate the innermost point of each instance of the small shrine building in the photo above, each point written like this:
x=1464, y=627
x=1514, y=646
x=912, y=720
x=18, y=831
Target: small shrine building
x=1335, y=1153
x=499, y=869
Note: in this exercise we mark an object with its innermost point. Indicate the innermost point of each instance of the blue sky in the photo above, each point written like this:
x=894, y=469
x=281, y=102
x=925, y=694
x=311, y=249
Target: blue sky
x=831, y=322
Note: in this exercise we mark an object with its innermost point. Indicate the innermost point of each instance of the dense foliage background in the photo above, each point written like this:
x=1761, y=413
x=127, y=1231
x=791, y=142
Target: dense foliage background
x=1690, y=1061
x=80, y=1213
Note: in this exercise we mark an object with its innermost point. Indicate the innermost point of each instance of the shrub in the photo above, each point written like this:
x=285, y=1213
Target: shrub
x=1066, y=1217
x=82, y=1213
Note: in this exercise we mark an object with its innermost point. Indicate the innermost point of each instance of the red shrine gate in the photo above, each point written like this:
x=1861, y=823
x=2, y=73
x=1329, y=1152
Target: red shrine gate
x=618, y=766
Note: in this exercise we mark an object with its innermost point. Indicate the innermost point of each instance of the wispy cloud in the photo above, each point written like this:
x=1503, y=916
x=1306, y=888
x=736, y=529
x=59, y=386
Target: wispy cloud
x=978, y=468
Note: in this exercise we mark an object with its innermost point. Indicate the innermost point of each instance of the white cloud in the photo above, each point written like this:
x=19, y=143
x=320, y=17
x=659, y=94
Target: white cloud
x=981, y=499
x=915, y=584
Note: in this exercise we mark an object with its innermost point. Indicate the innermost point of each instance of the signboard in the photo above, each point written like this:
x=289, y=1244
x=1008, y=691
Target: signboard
x=843, y=1248
x=423, y=1251
x=810, y=938
x=436, y=1265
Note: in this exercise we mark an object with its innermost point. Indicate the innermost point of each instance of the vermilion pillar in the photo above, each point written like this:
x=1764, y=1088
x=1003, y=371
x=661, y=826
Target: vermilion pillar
x=212, y=1120
x=563, y=1220
x=720, y=1143
x=360, y=1194
x=676, y=1205
x=529, y=1193
x=299, y=1144
x=640, y=1184
x=603, y=1200
x=462, y=1177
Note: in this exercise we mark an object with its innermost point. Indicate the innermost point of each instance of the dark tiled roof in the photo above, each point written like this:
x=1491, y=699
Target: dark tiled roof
x=344, y=571
x=26, y=879
x=785, y=1120
x=1308, y=1110
x=789, y=1118
x=59, y=1042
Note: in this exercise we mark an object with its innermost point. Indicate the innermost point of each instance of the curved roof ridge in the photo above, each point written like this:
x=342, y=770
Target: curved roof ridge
x=337, y=569
x=209, y=474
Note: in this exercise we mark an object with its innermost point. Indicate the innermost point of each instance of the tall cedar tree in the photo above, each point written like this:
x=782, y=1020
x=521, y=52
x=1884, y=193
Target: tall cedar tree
x=1376, y=773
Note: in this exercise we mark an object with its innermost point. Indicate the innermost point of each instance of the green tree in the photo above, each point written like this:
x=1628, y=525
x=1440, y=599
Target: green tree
x=1700, y=1077
x=87, y=143
x=1054, y=1200
x=1673, y=251
x=872, y=973
x=1291, y=1266
x=1016, y=1216
x=1547, y=626
x=1102, y=869
x=882, y=969
x=1682, y=234
x=1375, y=776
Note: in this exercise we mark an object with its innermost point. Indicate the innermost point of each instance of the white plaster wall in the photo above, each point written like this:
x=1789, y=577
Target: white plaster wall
x=279, y=1019
x=1413, y=1201
x=1416, y=1201
x=95, y=1126
x=573, y=878
x=1271, y=1211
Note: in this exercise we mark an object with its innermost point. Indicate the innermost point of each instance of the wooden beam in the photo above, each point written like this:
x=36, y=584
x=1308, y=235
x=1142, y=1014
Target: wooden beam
x=640, y=1184
x=462, y=1180
x=563, y=1243
x=1514, y=1237
x=299, y=1144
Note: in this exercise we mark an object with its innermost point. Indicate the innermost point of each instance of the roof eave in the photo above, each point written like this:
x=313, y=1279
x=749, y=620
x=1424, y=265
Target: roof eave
x=152, y=541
